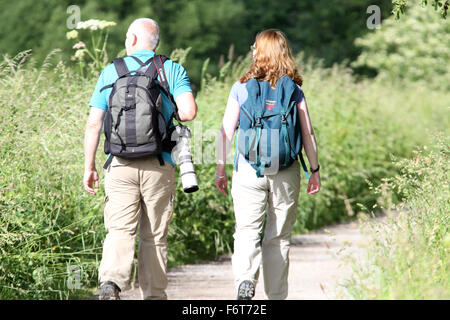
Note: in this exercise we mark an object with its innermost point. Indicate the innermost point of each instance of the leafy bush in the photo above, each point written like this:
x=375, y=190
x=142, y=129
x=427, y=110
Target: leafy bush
x=415, y=48
x=440, y=6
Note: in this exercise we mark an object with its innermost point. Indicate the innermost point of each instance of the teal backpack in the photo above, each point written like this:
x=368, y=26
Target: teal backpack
x=269, y=133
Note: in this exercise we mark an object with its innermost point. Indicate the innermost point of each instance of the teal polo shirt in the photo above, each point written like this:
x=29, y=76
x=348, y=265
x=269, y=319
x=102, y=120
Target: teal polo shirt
x=177, y=78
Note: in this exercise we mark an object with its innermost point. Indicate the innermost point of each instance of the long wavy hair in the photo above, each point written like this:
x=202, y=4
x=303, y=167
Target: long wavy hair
x=273, y=59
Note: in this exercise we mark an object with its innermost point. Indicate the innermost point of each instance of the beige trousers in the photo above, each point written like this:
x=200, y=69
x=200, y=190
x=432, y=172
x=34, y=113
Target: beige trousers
x=273, y=199
x=138, y=193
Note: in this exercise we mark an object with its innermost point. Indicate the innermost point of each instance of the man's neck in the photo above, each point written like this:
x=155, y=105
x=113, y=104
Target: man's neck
x=141, y=48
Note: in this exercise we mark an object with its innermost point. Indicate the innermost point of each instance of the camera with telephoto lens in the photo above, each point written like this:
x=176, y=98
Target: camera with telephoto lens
x=182, y=153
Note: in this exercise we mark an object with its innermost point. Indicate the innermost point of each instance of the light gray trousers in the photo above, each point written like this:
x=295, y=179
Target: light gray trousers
x=273, y=198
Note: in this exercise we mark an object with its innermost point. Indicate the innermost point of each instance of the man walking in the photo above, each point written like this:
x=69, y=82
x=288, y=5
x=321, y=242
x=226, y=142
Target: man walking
x=139, y=192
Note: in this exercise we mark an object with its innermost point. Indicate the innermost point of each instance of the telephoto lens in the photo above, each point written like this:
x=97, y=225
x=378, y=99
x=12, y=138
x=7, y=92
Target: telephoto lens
x=182, y=152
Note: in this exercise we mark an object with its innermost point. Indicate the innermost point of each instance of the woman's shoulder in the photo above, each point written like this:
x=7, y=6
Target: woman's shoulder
x=239, y=92
x=238, y=84
x=298, y=93
x=238, y=87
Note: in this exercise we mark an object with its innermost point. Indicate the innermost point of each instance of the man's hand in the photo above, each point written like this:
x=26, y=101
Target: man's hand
x=314, y=183
x=90, y=181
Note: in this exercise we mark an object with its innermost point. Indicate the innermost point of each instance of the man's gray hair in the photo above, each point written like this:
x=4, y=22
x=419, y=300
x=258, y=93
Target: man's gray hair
x=147, y=30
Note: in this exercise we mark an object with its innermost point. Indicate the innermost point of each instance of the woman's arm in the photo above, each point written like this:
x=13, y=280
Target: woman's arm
x=310, y=145
x=308, y=138
x=229, y=123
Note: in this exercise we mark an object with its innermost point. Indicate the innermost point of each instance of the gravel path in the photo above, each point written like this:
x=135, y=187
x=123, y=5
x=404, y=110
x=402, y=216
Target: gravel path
x=316, y=270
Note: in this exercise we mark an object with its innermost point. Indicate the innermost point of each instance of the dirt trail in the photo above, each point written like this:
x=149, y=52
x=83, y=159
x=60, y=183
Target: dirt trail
x=316, y=269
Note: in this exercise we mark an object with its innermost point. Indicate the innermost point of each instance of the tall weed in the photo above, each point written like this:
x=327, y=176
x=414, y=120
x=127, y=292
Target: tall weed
x=409, y=254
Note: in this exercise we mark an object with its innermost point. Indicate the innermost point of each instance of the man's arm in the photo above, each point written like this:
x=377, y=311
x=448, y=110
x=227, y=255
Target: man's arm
x=187, y=107
x=91, y=139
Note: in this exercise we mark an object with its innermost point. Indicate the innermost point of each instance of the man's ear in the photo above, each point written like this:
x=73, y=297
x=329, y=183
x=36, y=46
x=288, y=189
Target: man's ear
x=133, y=43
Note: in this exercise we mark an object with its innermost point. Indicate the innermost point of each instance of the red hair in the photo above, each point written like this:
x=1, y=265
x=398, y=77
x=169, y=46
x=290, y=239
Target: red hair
x=273, y=59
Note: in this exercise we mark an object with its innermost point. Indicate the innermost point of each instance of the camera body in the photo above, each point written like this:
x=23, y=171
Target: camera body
x=181, y=154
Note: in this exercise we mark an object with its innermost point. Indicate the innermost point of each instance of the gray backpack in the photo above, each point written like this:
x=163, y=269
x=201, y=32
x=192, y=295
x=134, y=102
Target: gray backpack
x=134, y=125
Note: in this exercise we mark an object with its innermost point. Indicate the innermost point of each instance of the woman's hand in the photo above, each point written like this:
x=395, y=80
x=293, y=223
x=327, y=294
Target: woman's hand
x=221, y=179
x=314, y=183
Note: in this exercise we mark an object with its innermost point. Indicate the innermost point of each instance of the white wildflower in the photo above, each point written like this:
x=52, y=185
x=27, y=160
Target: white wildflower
x=79, y=54
x=106, y=24
x=95, y=24
x=72, y=34
x=79, y=45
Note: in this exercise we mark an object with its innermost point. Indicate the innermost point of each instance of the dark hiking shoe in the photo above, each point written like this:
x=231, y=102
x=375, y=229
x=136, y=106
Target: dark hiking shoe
x=109, y=291
x=246, y=290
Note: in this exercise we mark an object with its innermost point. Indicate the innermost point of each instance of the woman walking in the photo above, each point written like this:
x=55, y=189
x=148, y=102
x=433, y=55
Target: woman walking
x=269, y=106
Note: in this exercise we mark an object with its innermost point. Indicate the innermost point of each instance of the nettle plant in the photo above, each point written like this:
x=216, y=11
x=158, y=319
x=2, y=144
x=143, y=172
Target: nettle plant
x=90, y=50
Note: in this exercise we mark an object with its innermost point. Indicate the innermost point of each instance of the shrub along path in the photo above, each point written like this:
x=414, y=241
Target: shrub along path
x=317, y=268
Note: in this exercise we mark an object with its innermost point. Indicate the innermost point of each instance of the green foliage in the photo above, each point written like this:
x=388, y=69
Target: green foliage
x=180, y=55
x=409, y=254
x=47, y=223
x=416, y=48
x=215, y=29
x=323, y=29
x=439, y=5
x=203, y=224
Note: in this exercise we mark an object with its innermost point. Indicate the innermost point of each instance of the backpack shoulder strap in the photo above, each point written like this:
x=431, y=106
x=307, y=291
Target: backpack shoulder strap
x=285, y=90
x=156, y=68
x=254, y=92
x=121, y=67
x=158, y=61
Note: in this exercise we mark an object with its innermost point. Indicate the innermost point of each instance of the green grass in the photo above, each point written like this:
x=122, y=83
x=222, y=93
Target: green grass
x=49, y=223
x=409, y=255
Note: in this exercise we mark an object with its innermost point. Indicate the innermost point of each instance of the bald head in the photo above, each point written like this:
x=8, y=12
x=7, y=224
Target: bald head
x=142, y=33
